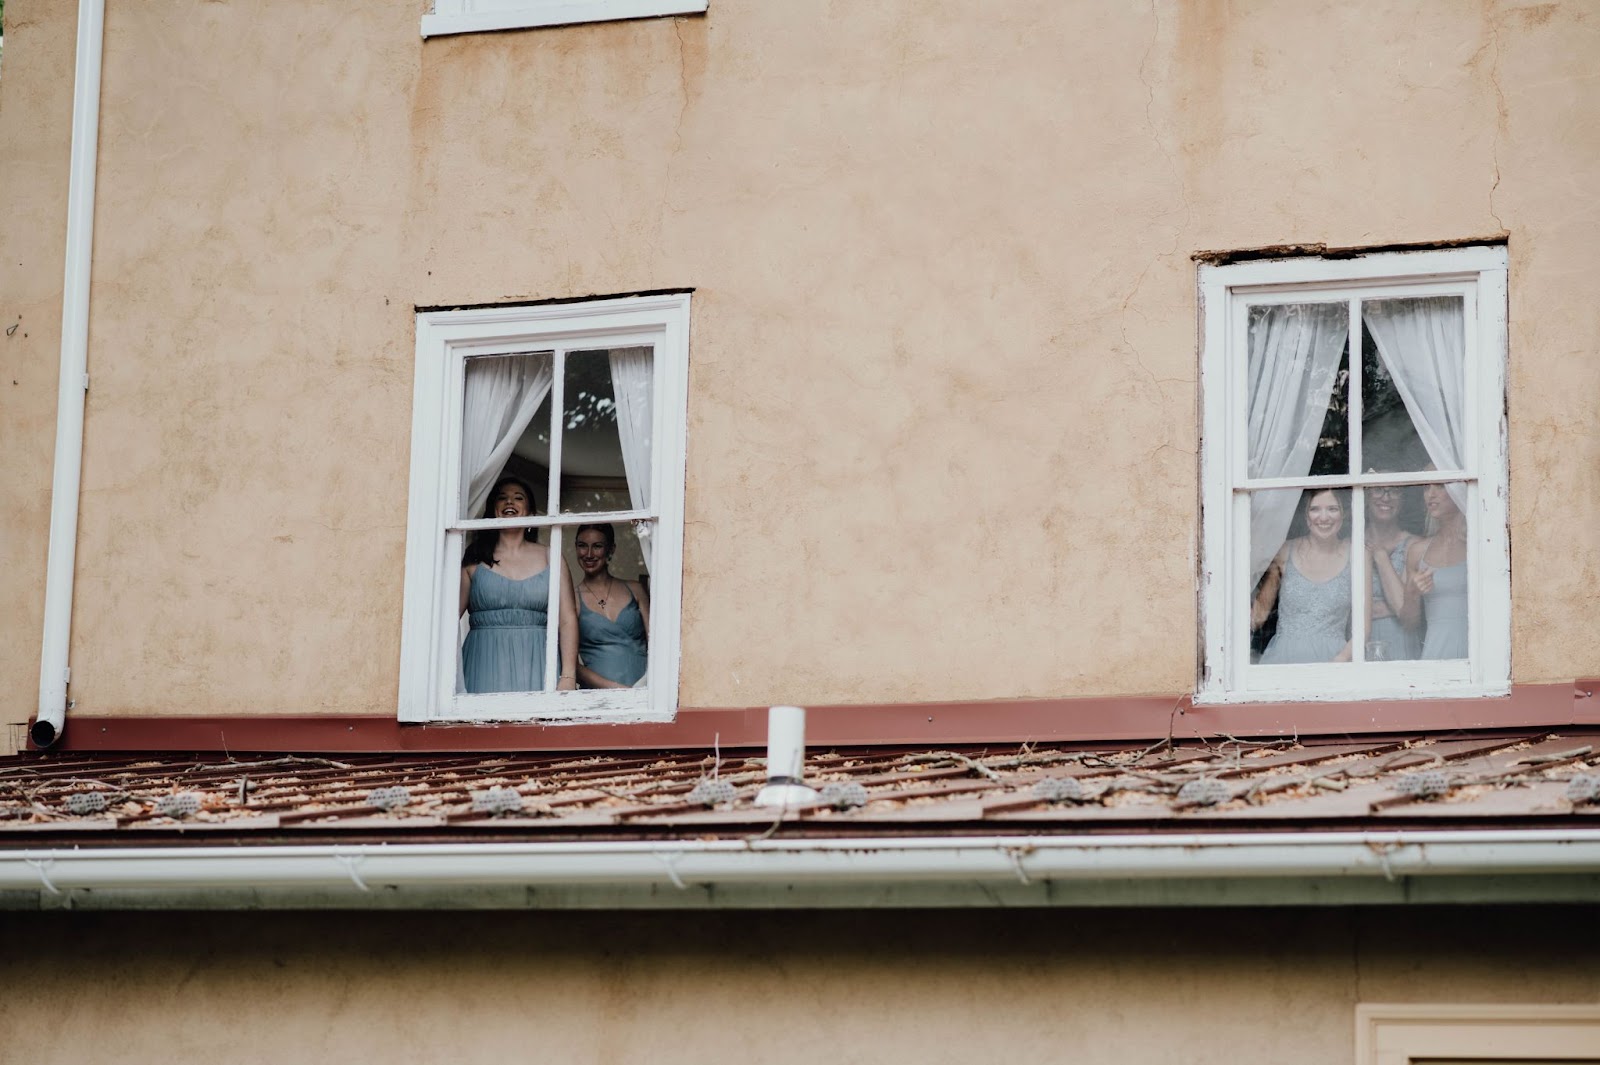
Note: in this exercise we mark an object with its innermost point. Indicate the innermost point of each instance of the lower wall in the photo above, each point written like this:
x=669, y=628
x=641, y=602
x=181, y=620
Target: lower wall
x=1230, y=987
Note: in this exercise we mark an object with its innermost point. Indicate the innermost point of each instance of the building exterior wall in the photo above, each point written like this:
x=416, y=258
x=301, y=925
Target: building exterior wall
x=943, y=381
x=1232, y=987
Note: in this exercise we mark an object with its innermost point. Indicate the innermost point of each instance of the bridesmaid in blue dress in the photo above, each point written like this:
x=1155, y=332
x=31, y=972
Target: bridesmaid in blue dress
x=613, y=615
x=1437, y=571
x=1309, y=580
x=505, y=593
x=1388, y=637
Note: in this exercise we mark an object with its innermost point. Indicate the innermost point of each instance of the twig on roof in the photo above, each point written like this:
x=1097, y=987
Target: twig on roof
x=288, y=759
x=935, y=757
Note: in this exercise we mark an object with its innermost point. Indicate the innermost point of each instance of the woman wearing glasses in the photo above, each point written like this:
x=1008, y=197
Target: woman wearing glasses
x=1388, y=638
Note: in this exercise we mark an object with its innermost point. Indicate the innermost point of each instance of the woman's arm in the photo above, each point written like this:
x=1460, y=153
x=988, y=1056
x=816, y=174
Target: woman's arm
x=567, y=631
x=466, y=588
x=1419, y=582
x=591, y=679
x=1267, y=592
x=642, y=597
x=1393, y=587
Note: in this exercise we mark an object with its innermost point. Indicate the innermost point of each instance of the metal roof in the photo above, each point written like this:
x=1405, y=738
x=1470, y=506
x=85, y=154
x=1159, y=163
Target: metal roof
x=1526, y=778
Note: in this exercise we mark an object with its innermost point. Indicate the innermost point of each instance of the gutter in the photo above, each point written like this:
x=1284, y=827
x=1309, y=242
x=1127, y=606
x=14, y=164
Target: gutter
x=1190, y=869
x=73, y=386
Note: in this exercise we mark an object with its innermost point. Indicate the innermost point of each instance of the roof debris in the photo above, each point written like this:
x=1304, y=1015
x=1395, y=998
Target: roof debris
x=1525, y=777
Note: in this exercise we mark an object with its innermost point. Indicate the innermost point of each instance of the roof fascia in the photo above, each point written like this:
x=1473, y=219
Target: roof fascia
x=1191, y=869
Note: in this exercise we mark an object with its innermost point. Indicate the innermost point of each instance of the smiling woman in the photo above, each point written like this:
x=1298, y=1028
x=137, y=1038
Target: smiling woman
x=505, y=593
x=1308, y=581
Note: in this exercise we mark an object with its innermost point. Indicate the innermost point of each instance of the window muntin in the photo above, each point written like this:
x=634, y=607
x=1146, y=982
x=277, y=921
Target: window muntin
x=1289, y=413
x=584, y=402
x=476, y=16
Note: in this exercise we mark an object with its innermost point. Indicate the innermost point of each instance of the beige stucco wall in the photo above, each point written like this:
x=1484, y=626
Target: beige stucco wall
x=1198, y=987
x=943, y=370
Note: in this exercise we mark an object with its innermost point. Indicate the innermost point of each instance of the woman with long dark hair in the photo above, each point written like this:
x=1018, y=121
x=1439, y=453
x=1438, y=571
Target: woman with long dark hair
x=1309, y=580
x=613, y=615
x=505, y=593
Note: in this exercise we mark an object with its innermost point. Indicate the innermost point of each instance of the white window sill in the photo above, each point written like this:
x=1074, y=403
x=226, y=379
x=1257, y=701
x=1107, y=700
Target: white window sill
x=536, y=13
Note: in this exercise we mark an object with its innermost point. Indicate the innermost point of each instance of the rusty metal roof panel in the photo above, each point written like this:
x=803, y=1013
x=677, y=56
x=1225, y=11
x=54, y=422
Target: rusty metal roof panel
x=1501, y=778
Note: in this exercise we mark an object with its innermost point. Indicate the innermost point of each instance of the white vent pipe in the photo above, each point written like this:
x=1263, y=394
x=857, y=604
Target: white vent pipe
x=786, y=757
x=74, y=381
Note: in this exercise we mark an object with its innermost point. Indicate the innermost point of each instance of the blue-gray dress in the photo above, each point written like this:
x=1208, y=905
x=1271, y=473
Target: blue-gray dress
x=1399, y=643
x=613, y=649
x=504, y=650
x=1313, y=616
x=1445, y=608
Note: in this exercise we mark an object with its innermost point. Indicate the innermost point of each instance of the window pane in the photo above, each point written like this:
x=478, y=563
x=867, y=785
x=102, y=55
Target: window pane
x=1298, y=382
x=1396, y=521
x=1413, y=384
x=506, y=584
x=1300, y=591
x=501, y=404
x=1437, y=572
x=613, y=605
x=605, y=449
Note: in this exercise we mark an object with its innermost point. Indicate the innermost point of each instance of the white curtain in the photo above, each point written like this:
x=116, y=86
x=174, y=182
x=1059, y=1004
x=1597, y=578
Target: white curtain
x=502, y=394
x=631, y=373
x=1293, y=362
x=1422, y=343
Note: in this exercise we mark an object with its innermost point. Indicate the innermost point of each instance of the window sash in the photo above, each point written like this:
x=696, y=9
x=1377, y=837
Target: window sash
x=1477, y=275
x=476, y=16
x=436, y=533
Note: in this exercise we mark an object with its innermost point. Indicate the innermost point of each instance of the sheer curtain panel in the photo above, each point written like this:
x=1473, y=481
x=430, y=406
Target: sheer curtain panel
x=1422, y=343
x=502, y=394
x=1293, y=363
x=631, y=373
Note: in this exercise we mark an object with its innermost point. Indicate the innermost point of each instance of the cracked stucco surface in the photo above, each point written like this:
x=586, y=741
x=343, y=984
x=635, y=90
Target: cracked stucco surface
x=943, y=371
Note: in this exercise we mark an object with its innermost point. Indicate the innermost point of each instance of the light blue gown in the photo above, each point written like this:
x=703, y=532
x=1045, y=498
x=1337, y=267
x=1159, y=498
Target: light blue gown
x=504, y=650
x=613, y=649
x=1313, y=617
x=1445, y=608
x=1399, y=642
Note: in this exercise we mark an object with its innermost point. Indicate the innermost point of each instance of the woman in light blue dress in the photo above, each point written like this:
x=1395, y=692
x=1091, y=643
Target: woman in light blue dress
x=505, y=593
x=1388, y=637
x=1437, y=578
x=1310, y=582
x=613, y=615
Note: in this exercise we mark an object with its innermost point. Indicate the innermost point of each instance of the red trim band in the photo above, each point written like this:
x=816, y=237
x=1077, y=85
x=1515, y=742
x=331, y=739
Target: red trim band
x=892, y=724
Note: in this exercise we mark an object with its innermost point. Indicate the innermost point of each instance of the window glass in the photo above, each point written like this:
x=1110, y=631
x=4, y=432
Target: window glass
x=523, y=414
x=1413, y=383
x=1298, y=388
x=503, y=397
x=545, y=524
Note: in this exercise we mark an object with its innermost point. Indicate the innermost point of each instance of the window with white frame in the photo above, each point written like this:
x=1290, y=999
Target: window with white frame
x=1354, y=477
x=545, y=526
x=478, y=16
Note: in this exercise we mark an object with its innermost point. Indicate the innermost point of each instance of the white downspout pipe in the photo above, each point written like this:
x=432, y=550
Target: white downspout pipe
x=74, y=382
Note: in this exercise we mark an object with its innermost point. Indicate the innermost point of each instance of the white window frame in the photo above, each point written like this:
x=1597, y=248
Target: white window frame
x=481, y=16
x=435, y=531
x=1226, y=673
x=1395, y=1034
